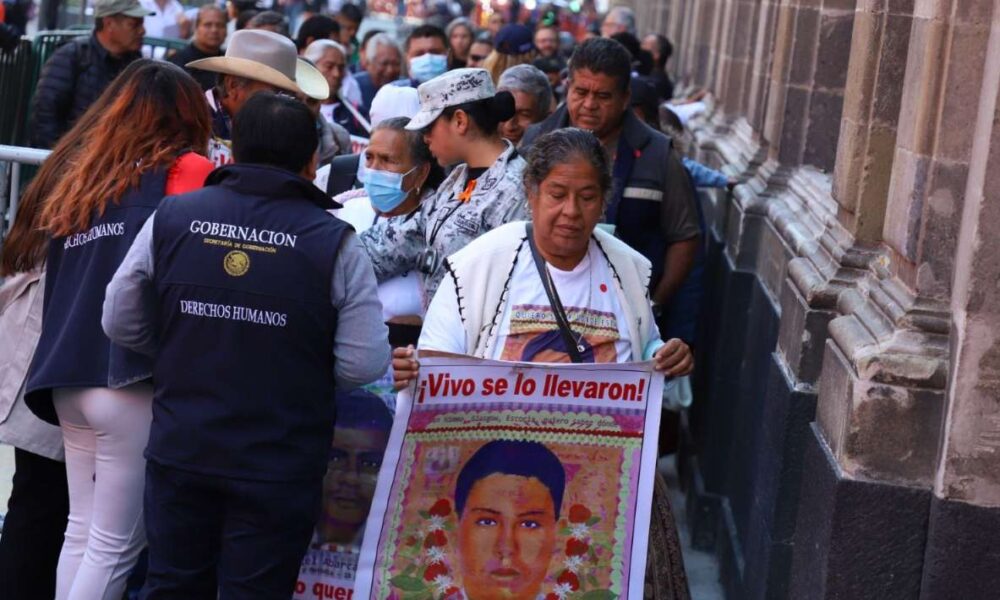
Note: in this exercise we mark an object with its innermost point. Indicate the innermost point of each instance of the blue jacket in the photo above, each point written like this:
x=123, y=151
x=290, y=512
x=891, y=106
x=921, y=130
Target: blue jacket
x=704, y=177
x=244, y=377
x=73, y=350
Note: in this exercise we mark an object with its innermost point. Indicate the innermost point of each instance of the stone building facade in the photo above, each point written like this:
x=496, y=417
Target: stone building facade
x=846, y=437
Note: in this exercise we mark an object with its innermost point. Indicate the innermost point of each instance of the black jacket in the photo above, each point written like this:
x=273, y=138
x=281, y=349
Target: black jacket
x=71, y=80
x=190, y=53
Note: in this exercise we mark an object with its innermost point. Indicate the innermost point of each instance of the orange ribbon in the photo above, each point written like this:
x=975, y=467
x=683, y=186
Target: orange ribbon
x=466, y=195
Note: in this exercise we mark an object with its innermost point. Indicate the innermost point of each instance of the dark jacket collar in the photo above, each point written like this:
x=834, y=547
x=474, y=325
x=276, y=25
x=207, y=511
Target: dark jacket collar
x=104, y=55
x=269, y=182
x=636, y=133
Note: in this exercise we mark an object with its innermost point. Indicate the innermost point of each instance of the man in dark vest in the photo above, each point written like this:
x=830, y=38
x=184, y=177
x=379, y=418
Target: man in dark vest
x=653, y=208
x=256, y=304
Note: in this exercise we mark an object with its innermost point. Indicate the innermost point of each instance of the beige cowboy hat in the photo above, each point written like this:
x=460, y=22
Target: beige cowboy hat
x=270, y=58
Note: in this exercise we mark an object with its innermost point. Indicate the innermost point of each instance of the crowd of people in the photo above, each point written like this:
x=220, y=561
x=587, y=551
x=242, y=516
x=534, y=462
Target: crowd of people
x=227, y=240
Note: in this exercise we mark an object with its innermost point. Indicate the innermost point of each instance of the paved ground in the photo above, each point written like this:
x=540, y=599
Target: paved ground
x=702, y=568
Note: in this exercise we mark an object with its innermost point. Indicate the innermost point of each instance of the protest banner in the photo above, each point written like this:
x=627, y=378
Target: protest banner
x=358, y=144
x=515, y=481
x=364, y=419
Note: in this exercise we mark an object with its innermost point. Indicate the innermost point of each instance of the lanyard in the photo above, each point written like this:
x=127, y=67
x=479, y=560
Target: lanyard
x=624, y=163
x=437, y=226
x=572, y=341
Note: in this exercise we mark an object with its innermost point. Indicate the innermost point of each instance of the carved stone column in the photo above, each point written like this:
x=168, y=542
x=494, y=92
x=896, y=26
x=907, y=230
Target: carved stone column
x=963, y=549
x=873, y=455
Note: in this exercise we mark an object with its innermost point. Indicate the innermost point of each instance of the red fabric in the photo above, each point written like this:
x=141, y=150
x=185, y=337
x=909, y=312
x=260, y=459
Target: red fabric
x=188, y=173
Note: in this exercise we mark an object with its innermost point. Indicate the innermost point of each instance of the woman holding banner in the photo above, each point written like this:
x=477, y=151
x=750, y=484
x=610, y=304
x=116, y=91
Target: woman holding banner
x=559, y=289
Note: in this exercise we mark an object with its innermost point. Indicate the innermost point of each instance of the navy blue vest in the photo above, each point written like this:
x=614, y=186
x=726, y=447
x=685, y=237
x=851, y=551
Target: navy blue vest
x=244, y=378
x=73, y=350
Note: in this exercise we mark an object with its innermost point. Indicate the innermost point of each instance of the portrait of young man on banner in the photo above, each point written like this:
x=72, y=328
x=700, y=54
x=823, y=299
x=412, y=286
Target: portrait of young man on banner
x=359, y=441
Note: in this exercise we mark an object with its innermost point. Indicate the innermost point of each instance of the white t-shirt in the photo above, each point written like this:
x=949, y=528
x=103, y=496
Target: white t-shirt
x=528, y=331
x=163, y=24
x=401, y=296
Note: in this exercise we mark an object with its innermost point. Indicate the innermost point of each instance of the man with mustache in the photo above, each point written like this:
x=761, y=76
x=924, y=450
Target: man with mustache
x=652, y=208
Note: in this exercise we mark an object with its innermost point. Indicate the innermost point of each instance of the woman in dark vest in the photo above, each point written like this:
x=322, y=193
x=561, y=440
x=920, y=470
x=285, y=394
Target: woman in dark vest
x=141, y=148
x=39, y=502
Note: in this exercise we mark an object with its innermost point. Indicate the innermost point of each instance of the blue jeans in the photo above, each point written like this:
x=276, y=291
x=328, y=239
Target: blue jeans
x=214, y=537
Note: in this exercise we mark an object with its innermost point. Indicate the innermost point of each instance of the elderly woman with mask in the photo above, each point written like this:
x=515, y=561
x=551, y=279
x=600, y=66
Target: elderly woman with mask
x=559, y=289
x=399, y=175
x=532, y=99
x=460, y=113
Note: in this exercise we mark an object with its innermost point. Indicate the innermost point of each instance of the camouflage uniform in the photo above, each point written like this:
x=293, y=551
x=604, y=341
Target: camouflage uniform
x=447, y=224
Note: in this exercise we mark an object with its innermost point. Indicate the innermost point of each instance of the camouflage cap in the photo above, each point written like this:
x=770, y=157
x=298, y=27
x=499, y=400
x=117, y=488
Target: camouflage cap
x=129, y=8
x=451, y=89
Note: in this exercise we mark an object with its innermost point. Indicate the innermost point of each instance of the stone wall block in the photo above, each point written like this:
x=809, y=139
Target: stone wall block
x=820, y=145
x=850, y=160
x=896, y=7
x=834, y=50
x=874, y=185
x=893, y=433
x=763, y=53
x=863, y=67
x=802, y=334
x=923, y=86
x=878, y=431
x=805, y=41
x=906, y=197
x=792, y=140
x=856, y=539
x=892, y=68
x=835, y=386
x=963, y=84
x=941, y=222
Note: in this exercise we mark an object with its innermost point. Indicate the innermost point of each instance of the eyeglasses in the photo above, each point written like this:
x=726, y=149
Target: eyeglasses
x=476, y=57
x=365, y=464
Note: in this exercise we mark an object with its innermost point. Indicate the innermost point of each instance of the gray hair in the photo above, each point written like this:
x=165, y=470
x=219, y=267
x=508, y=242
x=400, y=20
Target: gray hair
x=381, y=39
x=559, y=147
x=315, y=51
x=460, y=22
x=269, y=18
x=530, y=80
x=419, y=152
x=205, y=8
x=623, y=15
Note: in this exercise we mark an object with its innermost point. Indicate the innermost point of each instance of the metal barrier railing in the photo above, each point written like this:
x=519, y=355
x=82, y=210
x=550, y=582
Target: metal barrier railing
x=11, y=160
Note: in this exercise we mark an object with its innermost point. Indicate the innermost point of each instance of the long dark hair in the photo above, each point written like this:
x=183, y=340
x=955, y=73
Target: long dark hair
x=158, y=112
x=26, y=243
x=487, y=113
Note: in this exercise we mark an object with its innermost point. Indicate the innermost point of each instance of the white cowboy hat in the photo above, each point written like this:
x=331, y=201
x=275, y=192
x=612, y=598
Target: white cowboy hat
x=270, y=58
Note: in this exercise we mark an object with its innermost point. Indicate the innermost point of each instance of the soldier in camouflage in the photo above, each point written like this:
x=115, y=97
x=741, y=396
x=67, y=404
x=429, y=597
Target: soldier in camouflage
x=471, y=201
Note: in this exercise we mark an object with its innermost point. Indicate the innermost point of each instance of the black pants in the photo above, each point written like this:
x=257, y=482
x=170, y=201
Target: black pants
x=233, y=539
x=33, y=528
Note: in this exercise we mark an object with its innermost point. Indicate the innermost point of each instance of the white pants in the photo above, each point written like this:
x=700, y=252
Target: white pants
x=105, y=432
